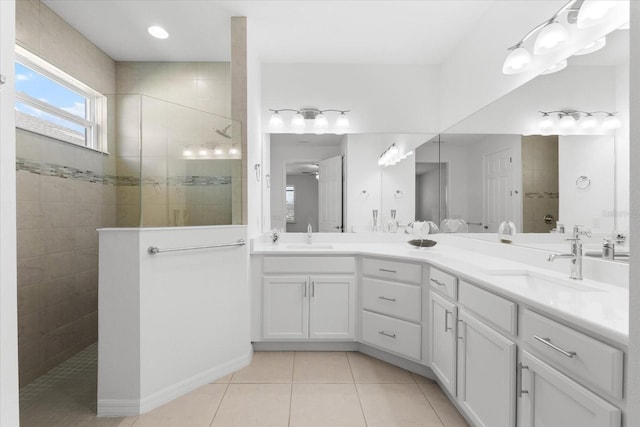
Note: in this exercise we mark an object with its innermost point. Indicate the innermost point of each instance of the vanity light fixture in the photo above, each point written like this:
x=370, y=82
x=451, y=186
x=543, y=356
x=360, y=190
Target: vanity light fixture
x=203, y=151
x=392, y=156
x=569, y=120
x=158, y=32
x=217, y=151
x=233, y=150
x=555, y=68
x=299, y=124
x=558, y=30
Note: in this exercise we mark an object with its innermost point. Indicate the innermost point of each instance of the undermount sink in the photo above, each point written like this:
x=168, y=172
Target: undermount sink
x=310, y=246
x=534, y=280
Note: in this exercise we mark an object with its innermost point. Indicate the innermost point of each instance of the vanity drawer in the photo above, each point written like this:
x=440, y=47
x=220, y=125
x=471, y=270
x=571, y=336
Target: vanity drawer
x=309, y=265
x=394, y=299
x=392, y=334
x=393, y=270
x=578, y=355
x=444, y=283
x=499, y=311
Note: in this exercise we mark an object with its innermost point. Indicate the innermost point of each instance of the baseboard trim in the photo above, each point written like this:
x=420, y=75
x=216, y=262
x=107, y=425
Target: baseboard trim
x=411, y=366
x=305, y=346
x=132, y=407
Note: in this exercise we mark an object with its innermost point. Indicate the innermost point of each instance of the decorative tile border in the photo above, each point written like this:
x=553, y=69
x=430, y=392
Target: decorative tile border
x=544, y=195
x=65, y=172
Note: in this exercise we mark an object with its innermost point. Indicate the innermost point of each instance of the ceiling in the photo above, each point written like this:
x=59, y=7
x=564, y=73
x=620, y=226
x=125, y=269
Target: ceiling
x=284, y=31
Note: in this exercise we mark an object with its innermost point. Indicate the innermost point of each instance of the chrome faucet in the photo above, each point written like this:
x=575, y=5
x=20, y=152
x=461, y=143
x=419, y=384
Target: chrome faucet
x=576, y=253
x=609, y=246
x=309, y=233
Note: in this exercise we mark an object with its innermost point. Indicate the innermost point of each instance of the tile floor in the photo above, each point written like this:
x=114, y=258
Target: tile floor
x=307, y=389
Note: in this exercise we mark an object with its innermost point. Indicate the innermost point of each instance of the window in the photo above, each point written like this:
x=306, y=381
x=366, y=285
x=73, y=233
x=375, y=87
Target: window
x=290, y=199
x=52, y=103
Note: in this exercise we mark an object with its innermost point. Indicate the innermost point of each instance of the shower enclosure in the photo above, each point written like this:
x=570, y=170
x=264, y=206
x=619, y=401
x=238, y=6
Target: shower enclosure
x=175, y=165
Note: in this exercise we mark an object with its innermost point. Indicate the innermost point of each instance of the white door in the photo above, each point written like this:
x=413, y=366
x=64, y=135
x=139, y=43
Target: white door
x=498, y=189
x=332, y=308
x=443, y=341
x=486, y=373
x=550, y=399
x=286, y=307
x=330, y=195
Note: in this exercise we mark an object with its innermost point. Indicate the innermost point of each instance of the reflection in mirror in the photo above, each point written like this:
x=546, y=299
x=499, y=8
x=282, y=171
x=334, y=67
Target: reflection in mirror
x=575, y=177
x=306, y=182
x=431, y=183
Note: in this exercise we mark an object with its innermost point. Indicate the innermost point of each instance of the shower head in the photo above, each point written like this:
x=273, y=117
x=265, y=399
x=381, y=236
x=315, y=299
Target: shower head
x=224, y=132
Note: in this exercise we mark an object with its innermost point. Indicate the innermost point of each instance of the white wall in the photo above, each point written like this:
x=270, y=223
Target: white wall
x=9, y=414
x=255, y=135
x=306, y=203
x=382, y=98
x=484, y=50
x=288, y=153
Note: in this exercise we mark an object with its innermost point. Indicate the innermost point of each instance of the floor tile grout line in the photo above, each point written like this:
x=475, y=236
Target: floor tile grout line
x=215, y=413
x=435, y=411
x=355, y=385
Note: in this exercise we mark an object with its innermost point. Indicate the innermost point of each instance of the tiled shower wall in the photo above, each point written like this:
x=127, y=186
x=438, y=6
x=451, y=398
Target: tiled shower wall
x=62, y=197
x=539, y=182
x=183, y=104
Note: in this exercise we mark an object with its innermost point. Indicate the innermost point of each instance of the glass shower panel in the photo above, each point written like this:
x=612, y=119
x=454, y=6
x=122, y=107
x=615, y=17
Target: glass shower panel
x=191, y=166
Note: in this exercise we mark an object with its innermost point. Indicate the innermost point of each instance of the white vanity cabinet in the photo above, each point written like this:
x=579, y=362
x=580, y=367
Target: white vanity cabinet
x=442, y=324
x=486, y=373
x=550, y=399
x=392, y=306
x=318, y=305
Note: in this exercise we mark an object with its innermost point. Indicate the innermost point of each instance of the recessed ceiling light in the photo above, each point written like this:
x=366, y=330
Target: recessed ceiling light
x=158, y=32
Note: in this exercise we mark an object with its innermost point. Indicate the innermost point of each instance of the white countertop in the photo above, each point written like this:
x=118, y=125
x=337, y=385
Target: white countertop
x=604, y=309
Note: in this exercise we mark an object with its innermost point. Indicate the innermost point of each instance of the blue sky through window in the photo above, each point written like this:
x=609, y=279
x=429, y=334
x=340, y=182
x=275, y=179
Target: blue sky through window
x=46, y=90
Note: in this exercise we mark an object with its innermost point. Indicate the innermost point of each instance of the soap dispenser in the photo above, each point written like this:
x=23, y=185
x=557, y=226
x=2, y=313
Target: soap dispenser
x=507, y=231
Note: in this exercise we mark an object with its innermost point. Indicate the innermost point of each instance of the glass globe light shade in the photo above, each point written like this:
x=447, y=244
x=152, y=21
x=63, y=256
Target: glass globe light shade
x=556, y=67
x=592, y=11
x=320, y=124
x=297, y=123
x=588, y=122
x=233, y=151
x=217, y=151
x=518, y=60
x=202, y=152
x=551, y=36
x=276, y=122
x=567, y=122
x=187, y=152
x=342, y=122
x=546, y=122
x=593, y=46
x=611, y=122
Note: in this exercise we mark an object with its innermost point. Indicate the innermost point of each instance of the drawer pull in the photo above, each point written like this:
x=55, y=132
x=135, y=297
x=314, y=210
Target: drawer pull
x=386, y=334
x=521, y=367
x=447, y=328
x=387, y=271
x=387, y=299
x=547, y=341
x=438, y=283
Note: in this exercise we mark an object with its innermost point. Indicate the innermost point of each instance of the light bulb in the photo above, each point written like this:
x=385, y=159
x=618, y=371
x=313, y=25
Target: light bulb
x=588, y=122
x=158, y=32
x=276, y=122
x=518, y=60
x=551, y=36
x=297, y=123
x=187, y=152
x=593, y=46
x=611, y=122
x=546, y=122
x=556, y=67
x=342, y=122
x=567, y=122
x=217, y=151
x=320, y=124
x=592, y=11
x=202, y=151
x=233, y=151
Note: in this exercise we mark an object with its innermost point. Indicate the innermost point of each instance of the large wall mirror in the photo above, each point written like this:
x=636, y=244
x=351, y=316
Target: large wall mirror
x=498, y=165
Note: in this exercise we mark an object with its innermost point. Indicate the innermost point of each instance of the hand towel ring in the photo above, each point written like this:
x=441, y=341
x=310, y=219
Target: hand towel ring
x=583, y=182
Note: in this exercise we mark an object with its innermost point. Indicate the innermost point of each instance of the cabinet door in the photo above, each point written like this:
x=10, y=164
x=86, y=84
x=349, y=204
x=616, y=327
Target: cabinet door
x=550, y=399
x=332, y=307
x=486, y=373
x=286, y=307
x=443, y=341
